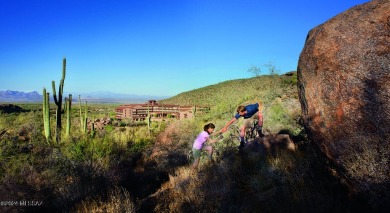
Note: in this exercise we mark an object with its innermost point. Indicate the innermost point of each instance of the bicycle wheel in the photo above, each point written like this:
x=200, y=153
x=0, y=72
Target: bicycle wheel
x=190, y=157
x=234, y=135
x=252, y=132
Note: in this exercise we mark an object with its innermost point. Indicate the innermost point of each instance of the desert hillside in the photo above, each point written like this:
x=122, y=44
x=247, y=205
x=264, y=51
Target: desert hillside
x=128, y=166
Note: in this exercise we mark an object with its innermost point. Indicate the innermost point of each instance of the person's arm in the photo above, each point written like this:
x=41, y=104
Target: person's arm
x=216, y=133
x=224, y=129
x=212, y=140
x=215, y=139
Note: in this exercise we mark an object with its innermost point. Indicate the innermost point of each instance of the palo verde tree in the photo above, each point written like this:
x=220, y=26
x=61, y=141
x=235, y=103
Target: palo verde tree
x=274, y=77
x=256, y=71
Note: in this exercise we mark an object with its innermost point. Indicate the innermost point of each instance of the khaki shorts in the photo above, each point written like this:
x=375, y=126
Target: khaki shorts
x=247, y=122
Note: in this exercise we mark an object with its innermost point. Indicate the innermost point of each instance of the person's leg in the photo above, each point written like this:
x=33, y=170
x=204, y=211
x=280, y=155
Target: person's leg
x=246, y=123
x=195, y=164
x=196, y=154
x=259, y=126
x=242, y=133
x=242, y=137
x=209, y=150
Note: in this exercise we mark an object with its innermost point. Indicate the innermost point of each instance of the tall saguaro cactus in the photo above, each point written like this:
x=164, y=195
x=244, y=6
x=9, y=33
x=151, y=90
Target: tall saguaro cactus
x=83, y=119
x=58, y=100
x=193, y=111
x=46, y=115
x=68, y=104
x=149, y=120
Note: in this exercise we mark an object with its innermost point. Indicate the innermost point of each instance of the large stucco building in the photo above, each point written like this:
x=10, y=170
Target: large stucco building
x=139, y=112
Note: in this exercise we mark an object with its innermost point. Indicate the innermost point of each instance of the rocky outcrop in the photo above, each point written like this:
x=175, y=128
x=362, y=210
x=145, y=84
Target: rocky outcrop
x=99, y=124
x=344, y=90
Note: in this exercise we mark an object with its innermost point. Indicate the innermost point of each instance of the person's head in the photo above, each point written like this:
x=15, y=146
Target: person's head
x=241, y=110
x=209, y=128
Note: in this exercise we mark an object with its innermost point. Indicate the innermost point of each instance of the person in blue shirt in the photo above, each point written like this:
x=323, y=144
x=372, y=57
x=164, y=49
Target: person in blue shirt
x=249, y=113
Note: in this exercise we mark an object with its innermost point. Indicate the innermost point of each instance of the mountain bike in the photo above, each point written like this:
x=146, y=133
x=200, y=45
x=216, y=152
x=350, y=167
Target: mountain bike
x=233, y=135
x=250, y=133
x=253, y=131
x=190, y=157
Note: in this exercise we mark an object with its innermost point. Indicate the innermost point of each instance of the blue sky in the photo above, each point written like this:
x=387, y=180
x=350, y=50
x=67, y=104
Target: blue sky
x=151, y=47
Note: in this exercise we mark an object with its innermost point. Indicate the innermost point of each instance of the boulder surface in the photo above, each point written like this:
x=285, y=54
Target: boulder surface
x=344, y=90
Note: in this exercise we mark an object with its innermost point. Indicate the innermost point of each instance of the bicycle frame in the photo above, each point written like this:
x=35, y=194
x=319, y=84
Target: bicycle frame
x=234, y=134
x=250, y=132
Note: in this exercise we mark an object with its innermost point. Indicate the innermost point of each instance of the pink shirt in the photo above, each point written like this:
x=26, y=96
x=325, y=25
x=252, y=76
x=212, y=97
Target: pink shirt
x=200, y=140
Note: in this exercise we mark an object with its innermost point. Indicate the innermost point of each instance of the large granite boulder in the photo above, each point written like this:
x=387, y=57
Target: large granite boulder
x=344, y=90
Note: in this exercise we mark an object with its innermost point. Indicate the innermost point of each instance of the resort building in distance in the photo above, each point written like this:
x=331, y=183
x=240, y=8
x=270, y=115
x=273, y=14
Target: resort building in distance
x=139, y=112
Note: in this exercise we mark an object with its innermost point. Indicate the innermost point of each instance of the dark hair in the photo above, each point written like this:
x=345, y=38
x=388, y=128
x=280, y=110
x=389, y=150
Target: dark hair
x=207, y=126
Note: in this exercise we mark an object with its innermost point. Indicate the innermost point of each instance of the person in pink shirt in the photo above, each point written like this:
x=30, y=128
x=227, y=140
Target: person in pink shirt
x=199, y=144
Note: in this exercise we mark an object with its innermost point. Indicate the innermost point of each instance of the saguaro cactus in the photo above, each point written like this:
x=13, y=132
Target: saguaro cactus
x=93, y=131
x=162, y=112
x=46, y=115
x=68, y=104
x=149, y=120
x=193, y=111
x=58, y=101
x=83, y=119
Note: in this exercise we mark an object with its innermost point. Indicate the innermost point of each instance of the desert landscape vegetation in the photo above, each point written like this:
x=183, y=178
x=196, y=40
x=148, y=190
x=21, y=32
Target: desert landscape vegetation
x=325, y=149
x=131, y=166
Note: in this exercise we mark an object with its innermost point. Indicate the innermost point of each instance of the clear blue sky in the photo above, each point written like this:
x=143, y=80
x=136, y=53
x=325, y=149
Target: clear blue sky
x=151, y=47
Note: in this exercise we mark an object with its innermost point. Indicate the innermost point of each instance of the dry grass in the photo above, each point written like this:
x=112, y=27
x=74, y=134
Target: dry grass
x=253, y=181
x=194, y=191
x=119, y=200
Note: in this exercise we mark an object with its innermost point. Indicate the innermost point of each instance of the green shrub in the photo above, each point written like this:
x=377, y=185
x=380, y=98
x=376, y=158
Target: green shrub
x=140, y=145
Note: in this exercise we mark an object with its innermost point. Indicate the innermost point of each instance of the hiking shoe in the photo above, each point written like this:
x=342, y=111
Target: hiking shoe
x=259, y=130
x=242, y=144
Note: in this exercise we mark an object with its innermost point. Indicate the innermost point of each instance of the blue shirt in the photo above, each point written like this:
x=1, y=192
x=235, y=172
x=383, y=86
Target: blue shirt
x=251, y=109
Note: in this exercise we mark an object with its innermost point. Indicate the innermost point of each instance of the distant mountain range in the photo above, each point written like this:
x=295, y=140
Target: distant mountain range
x=16, y=96
x=98, y=97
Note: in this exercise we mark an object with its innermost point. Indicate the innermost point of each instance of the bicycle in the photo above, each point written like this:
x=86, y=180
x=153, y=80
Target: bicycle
x=250, y=133
x=190, y=157
x=233, y=137
x=254, y=131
